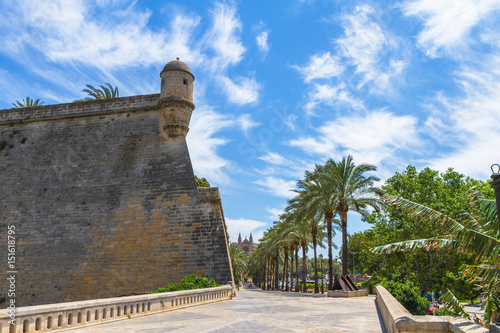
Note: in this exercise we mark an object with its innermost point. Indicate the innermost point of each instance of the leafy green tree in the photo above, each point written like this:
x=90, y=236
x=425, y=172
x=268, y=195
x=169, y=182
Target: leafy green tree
x=27, y=103
x=201, y=182
x=445, y=192
x=474, y=233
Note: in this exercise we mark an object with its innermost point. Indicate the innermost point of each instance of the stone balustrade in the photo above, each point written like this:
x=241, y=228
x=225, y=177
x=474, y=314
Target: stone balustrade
x=70, y=315
x=398, y=320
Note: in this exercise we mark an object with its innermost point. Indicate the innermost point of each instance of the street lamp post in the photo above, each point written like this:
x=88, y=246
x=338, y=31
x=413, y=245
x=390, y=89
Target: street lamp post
x=322, y=274
x=353, y=272
x=495, y=184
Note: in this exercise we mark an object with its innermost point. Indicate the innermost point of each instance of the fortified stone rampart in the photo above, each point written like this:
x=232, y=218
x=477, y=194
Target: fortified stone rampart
x=104, y=201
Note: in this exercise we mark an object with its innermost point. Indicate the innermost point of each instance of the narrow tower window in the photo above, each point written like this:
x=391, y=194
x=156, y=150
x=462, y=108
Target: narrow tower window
x=185, y=81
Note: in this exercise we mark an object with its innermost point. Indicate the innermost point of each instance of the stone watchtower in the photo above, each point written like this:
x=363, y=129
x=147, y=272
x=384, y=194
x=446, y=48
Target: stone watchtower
x=176, y=99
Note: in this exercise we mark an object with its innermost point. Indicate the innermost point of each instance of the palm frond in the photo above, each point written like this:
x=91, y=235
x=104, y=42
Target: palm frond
x=451, y=302
x=415, y=244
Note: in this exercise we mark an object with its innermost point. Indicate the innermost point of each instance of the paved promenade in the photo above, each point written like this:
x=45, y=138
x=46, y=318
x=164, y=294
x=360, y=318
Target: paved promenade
x=258, y=311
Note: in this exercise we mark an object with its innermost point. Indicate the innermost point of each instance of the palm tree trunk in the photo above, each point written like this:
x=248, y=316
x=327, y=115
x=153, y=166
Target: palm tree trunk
x=277, y=268
x=297, y=267
x=316, y=289
x=304, y=278
x=343, y=218
x=328, y=218
x=291, y=267
x=285, y=270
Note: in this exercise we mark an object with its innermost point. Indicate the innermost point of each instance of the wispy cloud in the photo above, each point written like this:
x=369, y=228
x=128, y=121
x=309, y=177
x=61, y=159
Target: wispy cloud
x=242, y=90
x=276, y=212
x=274, y=158
x=321, y=66
x=448, y=24
x=246, y=123
x=329, y=94
x=262, y=38
x=468, y=126
x=262, y=42
x=364, y=45
x=203, y=144
x=67, y=31
x=277, y=186
x=376, y=138
x=223, y=38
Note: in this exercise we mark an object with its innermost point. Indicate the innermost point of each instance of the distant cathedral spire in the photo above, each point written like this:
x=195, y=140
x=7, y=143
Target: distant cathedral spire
x=239, y=239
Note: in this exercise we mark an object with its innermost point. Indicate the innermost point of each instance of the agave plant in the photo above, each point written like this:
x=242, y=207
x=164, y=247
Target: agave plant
x=475, y=234
x=27, y=103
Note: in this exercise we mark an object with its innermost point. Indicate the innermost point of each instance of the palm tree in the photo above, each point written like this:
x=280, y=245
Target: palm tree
x=316, y=195
x=104, y=93
x=476, y=234
x=27, y=103
x=354, y=191
x=238, y=260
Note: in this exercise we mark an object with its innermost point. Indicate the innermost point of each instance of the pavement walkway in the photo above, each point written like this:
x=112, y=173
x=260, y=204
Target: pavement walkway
x=258, y=311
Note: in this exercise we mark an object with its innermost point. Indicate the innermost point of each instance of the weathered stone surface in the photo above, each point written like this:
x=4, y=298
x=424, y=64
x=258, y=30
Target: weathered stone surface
x=103, y=204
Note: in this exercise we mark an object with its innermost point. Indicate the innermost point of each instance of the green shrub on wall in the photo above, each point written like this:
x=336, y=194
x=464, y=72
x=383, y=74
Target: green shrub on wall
x=408, y=295
x=188, y=283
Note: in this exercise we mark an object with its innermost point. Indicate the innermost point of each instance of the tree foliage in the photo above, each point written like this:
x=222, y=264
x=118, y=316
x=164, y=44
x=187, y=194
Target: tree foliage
x=238, y=261
x=408, y=294
x=187, y=283
x=201, y=182
x=422, y=256
x=106, y=91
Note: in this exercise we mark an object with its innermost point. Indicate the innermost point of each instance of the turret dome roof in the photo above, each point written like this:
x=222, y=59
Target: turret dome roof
x=177, y=65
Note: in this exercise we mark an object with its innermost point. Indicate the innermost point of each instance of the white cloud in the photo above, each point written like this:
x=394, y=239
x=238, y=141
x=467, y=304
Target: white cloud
x=276, y=212
x=242, y=90
x=66, y=31
x=245, y=227
x=262, y=42
x=223, y=37
x=246, y=123
x=274, y=158
x=203, y=145
x=364, y=45
x=277, y=186
x=375, y=136
x=321, y=66
x=469, y=125
x=331, y=95
x=448, y=24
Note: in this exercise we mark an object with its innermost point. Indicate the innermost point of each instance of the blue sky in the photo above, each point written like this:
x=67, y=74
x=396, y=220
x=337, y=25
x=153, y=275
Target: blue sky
x=280, y=85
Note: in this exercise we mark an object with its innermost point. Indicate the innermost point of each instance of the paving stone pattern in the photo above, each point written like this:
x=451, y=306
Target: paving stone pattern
x=258, y=311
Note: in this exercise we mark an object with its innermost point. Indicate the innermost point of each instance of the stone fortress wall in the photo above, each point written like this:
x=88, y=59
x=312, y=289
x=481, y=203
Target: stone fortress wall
x=103, y=197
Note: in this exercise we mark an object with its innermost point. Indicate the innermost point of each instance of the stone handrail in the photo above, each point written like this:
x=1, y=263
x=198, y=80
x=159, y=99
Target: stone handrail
x=71, y=315
x=398, y=320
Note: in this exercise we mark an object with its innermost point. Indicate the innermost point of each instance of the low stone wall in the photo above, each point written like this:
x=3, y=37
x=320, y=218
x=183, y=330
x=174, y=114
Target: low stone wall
x=67, y=316
x=347, y=294
x=398, y=319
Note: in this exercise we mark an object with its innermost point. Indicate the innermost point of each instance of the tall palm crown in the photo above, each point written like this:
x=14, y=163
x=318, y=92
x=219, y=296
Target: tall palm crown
x=104, y=93
x=27, y=103
x=354, y=191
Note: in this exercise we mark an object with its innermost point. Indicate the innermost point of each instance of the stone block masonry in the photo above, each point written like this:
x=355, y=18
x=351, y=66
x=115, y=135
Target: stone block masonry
x=103, y=202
